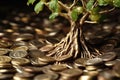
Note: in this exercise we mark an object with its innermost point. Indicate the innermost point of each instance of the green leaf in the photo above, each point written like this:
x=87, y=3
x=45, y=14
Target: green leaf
x=102, y=3
x=30, y=2
x=95, y=17
x=53, y=5
x=53, y=16
x=79, y=10
x=74, y=14
x=116, y=3
x=89, y=5
x=95, y=10
x=39, y=7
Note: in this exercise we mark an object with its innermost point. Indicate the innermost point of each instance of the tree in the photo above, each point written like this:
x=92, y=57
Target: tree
x=77, y=12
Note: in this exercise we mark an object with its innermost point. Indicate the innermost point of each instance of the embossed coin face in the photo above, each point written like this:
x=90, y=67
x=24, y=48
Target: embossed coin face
x=94, y=61
x=18, y=54
x=20, y=61
x=5, y=59
x=3, y=51
x=108, y=56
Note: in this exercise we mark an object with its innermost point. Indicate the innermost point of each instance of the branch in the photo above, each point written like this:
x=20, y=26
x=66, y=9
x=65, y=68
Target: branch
x=65, y=15
x=73, y=4
x=63, y=6
x=91, y=22
x=83, y=4
x=106, y=11
x=82, y=20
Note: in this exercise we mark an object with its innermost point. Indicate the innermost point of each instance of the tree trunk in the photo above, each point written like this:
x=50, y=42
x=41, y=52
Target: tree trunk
x=73, y=46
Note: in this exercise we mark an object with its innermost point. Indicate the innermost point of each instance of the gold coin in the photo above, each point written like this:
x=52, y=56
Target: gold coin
x=80, y=62
x=5, y=65
x=11, y=70
x=71, y=72
x=20, y=61
x=46, y=59
x=108, y=56
x=18, y=54
x=46, y=77
x=21, y=48
x=58, y=67
x=5, y=59
x=6, y=76
x=32, y=69
x=94, y=61
x=37, y=62
x=3, y=51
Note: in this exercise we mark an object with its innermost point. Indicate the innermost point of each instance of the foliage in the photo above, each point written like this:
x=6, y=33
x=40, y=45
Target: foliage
x=94, y=7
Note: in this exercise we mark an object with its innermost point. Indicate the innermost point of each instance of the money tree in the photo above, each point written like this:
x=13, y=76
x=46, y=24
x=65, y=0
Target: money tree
x=78, y=13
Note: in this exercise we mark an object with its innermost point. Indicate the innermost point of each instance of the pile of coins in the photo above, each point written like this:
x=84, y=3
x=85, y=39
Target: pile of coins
x=22, y=38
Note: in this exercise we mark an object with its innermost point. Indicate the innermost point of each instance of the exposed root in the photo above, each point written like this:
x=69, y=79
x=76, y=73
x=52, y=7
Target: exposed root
x=72, y=46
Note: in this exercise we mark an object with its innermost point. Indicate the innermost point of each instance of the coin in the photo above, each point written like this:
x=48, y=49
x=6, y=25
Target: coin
x=24, y=75
x=32, y=69
x=21, y=48
x=5, y=44
x=87, y=77
x=37, y=62
x=80, y=62
x=91, y=68
x=36, y=53
x=71, y=72
x=59, y=67
x=46, y=59
x=6, y=76
x=23, y=37
x=36, y=43
x=20, y=61
x=18, y=54
x=5, y=59
x=116, y=68
x=108, y=56
x=5, y=65
x=3, y=51
x=46, y=77
x=110, y=63
x=94, y=61
x=106, y=75
x=11, y=70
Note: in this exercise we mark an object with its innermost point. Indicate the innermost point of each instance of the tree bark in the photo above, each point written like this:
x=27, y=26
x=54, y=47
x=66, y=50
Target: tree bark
x=72, y=46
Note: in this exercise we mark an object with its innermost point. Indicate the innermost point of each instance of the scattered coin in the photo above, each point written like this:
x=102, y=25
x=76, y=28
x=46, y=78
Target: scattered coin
x=108, y=56
x=71, y=72
x=59, y=67
x=46, y=59
x=18, y=54
x=5, y=59
x=20, y=61
x=80, y=62
x=46, y=77
x=3, y=51
x=94, y=61
x=116, y=69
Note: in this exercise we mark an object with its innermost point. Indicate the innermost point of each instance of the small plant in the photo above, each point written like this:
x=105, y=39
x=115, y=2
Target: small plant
x=77, y=12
